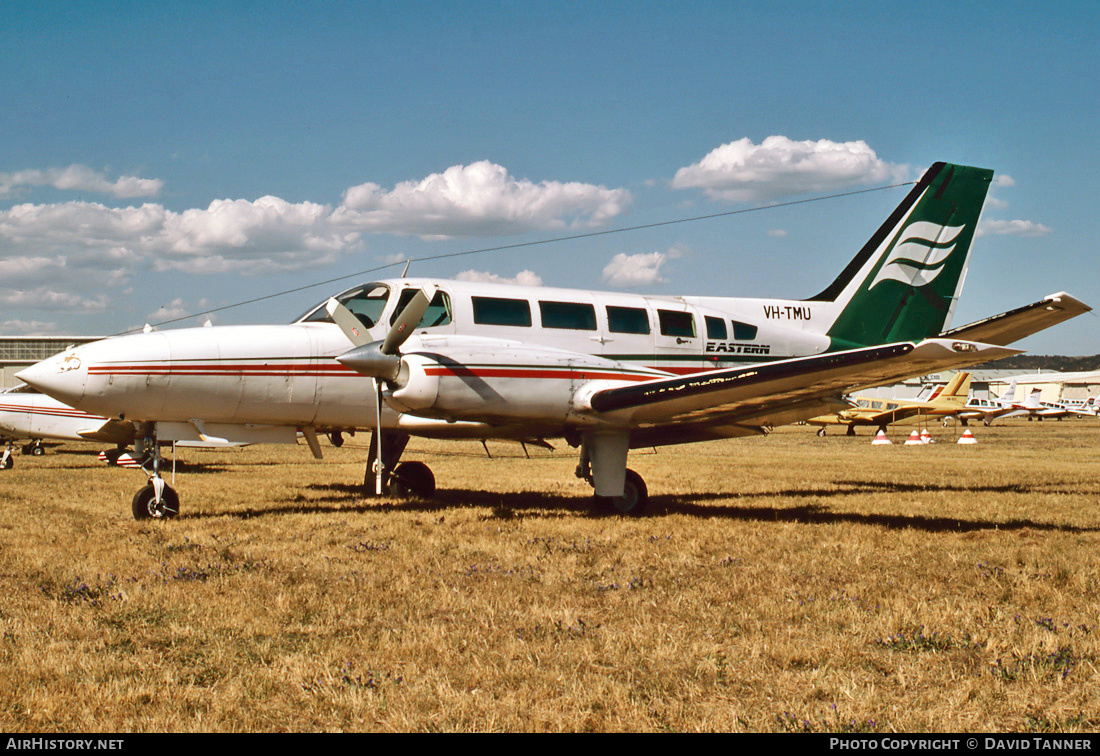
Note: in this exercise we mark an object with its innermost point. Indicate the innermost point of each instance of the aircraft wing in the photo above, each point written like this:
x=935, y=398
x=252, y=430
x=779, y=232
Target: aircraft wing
x=1014, y=325
x=781, y=392
x=112, y=432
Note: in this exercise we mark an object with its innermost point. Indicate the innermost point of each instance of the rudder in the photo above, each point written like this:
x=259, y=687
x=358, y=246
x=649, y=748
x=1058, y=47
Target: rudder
x=904, y=283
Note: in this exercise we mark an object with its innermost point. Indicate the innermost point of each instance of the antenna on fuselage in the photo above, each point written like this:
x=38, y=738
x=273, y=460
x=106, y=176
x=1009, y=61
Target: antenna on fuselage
x=406, y=270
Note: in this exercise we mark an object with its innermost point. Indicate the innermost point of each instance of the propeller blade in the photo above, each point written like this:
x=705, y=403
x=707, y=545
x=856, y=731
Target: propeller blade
x=355, y=331
x=408, y=320
x=378, y=436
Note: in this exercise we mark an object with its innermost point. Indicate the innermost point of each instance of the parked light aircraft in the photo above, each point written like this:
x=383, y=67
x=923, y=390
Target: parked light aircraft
x=876, y=411
x=25, y=413
x=1086, y=408
x=606, y=371
x=1003, y=406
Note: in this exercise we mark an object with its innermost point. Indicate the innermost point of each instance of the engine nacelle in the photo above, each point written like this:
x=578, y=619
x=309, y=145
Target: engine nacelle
x=416, y=389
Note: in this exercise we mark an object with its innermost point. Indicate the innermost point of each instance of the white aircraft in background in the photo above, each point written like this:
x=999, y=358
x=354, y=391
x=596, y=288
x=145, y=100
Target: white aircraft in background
x=1085, y=407
x=27, y=414
x=605, y=371
x=1003, y=406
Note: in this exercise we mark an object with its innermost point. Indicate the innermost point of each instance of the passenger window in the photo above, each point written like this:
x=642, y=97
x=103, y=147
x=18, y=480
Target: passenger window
x=437, y=314
x=627, y=320
x=716, y=328
x=676, y=323
x=578, y=317
x=743, y=331
x=507, y=312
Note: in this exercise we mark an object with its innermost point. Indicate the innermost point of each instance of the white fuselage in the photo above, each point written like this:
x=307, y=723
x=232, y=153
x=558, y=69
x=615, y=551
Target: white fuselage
x=523, y=354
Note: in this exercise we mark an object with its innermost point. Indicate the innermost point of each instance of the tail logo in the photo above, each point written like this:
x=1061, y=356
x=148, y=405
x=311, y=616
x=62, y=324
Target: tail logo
x=919, y=255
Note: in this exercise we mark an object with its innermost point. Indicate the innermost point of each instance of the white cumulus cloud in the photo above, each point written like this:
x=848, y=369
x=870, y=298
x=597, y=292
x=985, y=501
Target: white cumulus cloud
x=778, y=167
x=52, y=255
x=523, y=278
x=635, y=270
x=480, y=199
x=1012, y=228
x=80, y=178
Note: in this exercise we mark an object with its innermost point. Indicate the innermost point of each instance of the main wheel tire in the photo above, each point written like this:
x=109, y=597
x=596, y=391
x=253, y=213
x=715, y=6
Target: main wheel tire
x=145, y=507
x=412, y=479
x=633, y=502
x=8, y=463
x=38, y=450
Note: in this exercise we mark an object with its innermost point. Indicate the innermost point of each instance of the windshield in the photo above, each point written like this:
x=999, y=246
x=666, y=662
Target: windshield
x=365, y=302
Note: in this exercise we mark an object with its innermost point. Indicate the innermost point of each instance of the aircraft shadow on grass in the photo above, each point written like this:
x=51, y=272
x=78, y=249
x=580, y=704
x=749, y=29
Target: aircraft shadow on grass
x=340, y=497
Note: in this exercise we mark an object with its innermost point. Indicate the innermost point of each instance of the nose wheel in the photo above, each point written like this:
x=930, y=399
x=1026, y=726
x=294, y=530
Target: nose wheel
x=156, y=500
x=147, y=505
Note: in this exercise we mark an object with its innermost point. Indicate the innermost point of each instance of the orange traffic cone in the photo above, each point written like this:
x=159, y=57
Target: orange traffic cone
x=967, y=438
x=914, y=439
x=881, y=439
x=926, y=437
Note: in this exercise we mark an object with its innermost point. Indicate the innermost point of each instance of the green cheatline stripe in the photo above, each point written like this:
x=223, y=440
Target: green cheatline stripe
x=697, y=357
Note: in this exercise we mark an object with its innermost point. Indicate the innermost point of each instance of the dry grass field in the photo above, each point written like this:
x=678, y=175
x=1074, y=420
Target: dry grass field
x=787, y=583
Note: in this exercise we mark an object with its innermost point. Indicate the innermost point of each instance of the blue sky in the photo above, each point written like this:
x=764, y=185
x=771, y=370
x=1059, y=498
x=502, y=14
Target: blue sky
x=162, y=159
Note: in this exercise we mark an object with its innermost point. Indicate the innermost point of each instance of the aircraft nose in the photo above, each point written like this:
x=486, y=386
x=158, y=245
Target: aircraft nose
x=62, y=376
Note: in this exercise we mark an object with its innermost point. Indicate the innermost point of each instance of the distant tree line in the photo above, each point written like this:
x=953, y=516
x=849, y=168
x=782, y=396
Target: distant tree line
x=1035, y=362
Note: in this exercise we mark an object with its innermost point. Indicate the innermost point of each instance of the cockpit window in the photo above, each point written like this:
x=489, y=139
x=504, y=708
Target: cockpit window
x=437, y=314
x=365, y=302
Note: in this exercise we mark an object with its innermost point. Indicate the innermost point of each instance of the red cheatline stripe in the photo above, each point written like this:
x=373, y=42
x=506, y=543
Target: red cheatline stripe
x=219, y=369
x=46, y=411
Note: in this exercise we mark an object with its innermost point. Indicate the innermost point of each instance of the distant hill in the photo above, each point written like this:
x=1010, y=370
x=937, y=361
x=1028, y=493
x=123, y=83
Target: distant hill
x=1029, y=363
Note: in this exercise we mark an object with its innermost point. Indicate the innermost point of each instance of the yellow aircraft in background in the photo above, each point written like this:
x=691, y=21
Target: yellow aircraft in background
x=875, y=411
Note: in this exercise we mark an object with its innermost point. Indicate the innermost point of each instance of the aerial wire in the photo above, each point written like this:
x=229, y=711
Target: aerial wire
x=520, y=245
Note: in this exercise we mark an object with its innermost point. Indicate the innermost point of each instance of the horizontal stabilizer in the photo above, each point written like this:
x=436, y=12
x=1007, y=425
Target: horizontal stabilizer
x=1014, y=325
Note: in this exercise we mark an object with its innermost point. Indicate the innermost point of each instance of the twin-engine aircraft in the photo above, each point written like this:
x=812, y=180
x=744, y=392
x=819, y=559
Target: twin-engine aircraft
x=606, y=371
x=878, y=412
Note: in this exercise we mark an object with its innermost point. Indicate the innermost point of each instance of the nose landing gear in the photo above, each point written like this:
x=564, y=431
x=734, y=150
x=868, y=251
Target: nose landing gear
x=156, y=500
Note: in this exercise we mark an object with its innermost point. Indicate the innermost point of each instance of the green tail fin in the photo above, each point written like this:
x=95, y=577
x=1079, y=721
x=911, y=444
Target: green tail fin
x=904, y=283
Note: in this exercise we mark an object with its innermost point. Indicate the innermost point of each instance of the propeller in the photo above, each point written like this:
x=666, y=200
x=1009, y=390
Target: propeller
x=379, y=360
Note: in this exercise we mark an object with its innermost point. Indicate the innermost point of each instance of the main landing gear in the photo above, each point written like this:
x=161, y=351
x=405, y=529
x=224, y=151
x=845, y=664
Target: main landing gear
x=156, y=500
x=603, y=460
x=401, y=479
x=35, y=448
